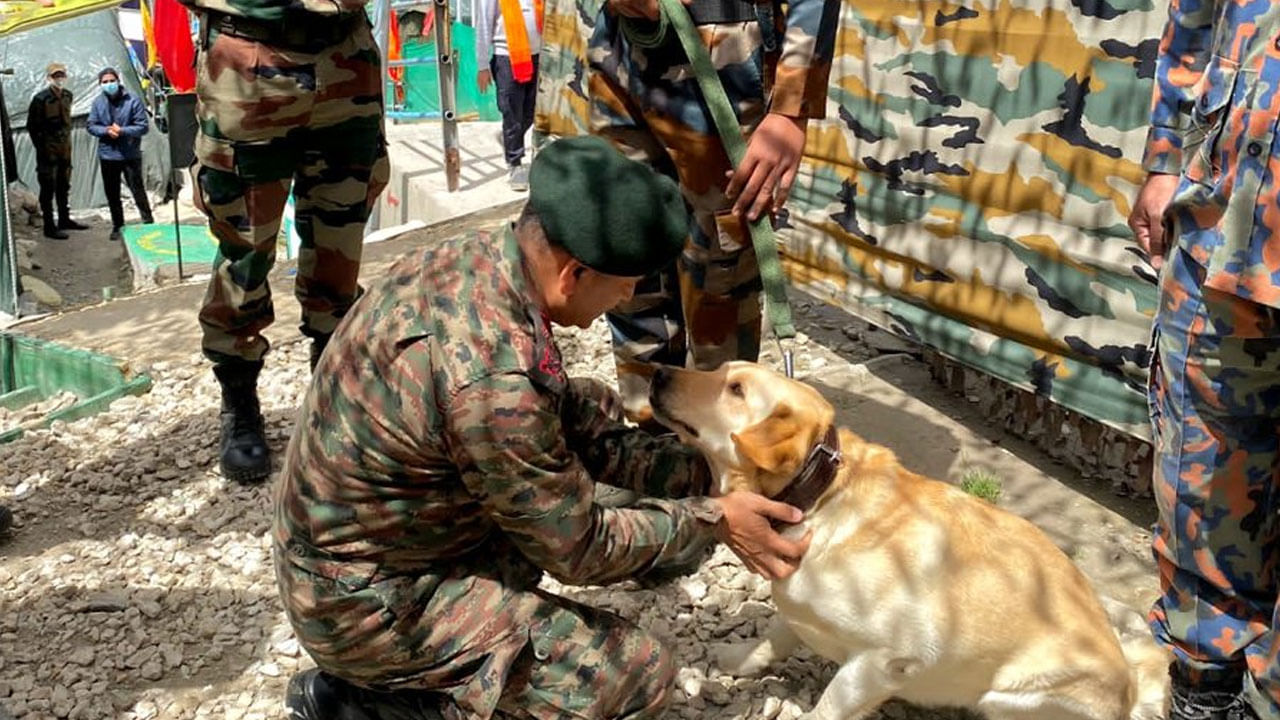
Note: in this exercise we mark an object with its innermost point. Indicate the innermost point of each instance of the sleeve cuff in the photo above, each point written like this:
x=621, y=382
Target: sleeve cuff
x=705, y=509
x=1164, y=151
x=799, y=93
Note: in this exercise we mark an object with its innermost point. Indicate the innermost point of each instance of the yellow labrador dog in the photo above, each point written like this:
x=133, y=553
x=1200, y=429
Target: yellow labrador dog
x=914, y=588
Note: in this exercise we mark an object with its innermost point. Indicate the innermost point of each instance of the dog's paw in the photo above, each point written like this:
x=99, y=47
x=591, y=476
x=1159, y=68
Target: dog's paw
x=745, y=659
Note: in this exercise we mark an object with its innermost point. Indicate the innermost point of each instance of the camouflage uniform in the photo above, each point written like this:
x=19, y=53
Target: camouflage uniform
x=648, y=103
x=303, y=109
x=442, y=462
x=1215, y=390
x=49, y=125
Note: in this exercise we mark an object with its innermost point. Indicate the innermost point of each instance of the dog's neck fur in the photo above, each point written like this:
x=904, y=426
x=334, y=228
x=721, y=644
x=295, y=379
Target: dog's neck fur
x=815, y=475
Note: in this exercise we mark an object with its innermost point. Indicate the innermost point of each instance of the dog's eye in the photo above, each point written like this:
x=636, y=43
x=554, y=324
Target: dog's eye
x=736, y=388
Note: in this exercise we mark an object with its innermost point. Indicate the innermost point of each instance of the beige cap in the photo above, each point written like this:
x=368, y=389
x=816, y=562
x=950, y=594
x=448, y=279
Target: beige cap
x=55, y=67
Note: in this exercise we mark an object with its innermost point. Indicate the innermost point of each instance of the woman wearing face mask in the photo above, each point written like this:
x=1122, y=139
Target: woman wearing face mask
x=119, y=121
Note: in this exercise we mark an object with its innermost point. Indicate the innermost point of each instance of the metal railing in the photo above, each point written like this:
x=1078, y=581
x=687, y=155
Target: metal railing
x=446, y=62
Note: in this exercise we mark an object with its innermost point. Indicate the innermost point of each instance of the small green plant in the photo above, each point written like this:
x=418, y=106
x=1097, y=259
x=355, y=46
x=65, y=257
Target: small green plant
x=981, y=483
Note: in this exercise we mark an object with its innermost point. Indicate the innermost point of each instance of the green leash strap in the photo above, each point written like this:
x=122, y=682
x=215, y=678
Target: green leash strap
x=675, y=15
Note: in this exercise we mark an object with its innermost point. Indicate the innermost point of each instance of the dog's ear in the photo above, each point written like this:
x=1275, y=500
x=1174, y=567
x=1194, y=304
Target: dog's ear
x=777, y=444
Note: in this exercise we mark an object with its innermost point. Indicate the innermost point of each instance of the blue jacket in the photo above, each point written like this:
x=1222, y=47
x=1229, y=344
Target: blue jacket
x=126, y=111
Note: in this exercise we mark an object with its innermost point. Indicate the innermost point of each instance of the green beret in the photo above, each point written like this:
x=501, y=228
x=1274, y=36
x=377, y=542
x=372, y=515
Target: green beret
x=611, y=213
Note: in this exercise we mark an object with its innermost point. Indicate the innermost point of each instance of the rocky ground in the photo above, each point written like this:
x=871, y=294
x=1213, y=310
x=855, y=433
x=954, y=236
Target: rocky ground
x=63, y=274
x=138, y=584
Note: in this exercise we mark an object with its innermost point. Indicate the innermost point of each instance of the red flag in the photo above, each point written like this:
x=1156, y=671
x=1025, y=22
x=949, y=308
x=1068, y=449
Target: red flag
x=173, y=44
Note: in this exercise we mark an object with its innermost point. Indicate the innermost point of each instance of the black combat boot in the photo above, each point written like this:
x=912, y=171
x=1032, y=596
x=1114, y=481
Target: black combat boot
x=318, y=344
x=6, y=519
x=1216, y=700
x=51, y=230
x=317, y=695
x=244, y=455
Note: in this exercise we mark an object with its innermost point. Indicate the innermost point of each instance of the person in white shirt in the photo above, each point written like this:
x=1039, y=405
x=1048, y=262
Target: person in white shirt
x=508, y=40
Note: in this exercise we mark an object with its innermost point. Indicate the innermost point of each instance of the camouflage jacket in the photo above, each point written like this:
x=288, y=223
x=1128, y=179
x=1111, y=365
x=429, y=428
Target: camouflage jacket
x=1214, y=112
x=802, y=68
x=441, y=431
x=49, y=124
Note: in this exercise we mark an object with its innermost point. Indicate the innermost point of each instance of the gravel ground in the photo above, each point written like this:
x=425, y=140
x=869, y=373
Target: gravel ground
x=138, y=583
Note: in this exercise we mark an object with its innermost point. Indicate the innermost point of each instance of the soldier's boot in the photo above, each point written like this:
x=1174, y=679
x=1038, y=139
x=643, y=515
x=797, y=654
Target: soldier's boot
x=243, y=452
x=51, y=229
x=6, y=519
x=1204, y=701
x=64, y=219
x=318, y=344
x=317, y=695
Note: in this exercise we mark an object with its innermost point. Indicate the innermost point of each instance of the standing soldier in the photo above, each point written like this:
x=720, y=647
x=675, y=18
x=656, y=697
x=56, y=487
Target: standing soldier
x=645, y=98
x=289, y=95
x=443, y=461
x=49, y=125
x=1209, y=215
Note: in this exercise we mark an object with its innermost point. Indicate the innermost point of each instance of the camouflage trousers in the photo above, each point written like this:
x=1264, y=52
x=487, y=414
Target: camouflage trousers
x=705, y=310
x=1215, y=405
x=490, y=644
x=272, y=119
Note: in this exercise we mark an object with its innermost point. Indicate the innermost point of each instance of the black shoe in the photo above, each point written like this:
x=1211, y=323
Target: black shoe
x=116, y=235
x=148, y=220
x=244, y=455
x=317, y=695
x=1205, y=701
x=318, y=344
x=6, y=519
x=70, y=224
x=51, y=231
x=1242, y=710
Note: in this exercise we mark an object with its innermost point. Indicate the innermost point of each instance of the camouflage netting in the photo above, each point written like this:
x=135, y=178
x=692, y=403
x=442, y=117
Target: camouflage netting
x=970, y=185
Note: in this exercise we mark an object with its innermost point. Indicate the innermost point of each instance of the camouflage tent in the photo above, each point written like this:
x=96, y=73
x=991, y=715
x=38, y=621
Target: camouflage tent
x=970, y=185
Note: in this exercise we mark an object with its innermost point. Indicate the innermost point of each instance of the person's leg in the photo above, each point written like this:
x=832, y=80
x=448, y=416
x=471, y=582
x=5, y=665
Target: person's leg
x=62, y=187
x=511, y=106
x=1215, y=395
x=46, y=176
x=133, y=176
x=111, y=170
x=585, y=662
x=711, y=297
x=343, y=170
x=246, y=160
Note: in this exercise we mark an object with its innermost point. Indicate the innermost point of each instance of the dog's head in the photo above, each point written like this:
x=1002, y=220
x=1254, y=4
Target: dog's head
x=755, y=426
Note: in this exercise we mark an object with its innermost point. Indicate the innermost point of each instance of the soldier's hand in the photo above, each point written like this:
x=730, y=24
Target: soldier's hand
x=483, y=79
x=762, y=181
x=638, y=8
x=746, y=530
x=1147, y=218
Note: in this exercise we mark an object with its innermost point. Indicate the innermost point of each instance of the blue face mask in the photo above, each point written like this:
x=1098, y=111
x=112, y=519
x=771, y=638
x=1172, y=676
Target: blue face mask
x=111, y=88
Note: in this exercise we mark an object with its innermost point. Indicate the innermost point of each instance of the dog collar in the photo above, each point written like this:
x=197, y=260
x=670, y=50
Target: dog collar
x=815, y=475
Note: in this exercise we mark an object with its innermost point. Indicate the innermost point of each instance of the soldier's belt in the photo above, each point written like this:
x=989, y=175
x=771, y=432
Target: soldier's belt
x=710, y=12
x=301, y=32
